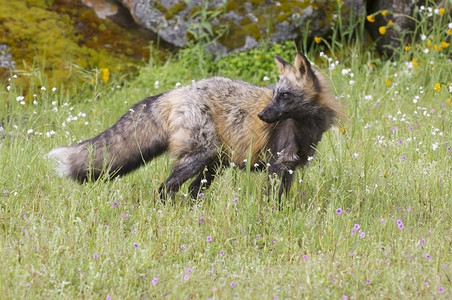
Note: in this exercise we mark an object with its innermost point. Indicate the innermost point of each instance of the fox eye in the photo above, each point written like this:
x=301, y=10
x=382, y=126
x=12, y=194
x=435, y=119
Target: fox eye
x=285, y=94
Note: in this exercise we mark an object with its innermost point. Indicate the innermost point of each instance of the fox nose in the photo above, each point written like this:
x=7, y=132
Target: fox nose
x=260, y=115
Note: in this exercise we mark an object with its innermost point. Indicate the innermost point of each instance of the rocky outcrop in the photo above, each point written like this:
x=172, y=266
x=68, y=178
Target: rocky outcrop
x=392, y=25
x=176, y=21
x=395, y=19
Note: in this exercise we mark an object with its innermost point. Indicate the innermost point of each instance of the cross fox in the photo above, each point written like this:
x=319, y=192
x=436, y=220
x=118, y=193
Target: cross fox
x=210, y=124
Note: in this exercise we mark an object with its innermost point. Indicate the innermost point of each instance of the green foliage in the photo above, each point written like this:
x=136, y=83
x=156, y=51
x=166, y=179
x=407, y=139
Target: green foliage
x=369, y=218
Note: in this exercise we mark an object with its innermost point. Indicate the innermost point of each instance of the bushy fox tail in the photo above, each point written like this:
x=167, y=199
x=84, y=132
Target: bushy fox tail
x=137, y=137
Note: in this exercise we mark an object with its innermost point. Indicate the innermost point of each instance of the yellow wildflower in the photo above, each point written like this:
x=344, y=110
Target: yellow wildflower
x=390, y=23
x=384, y=13
x=448, y=101
x=382, y=30
x=343, y=130
x=429, y=43
x=370, y=18
x=445, y=44
x=408, y=47
x=388, y=82
x=441, y=11
x=414, y=63
x=317, y=39
x=437, y=87
x=105, y=74
x=449, y=31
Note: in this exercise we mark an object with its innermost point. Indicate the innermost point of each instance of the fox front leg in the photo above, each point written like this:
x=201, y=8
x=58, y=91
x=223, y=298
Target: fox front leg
x=285, y=174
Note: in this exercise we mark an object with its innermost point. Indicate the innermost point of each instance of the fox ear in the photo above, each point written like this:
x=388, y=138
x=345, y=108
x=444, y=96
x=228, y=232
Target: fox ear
x=302, y=64
x=282, y=65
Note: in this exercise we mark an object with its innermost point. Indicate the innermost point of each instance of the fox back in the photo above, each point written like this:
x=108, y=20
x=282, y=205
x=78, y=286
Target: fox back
x=210, y=123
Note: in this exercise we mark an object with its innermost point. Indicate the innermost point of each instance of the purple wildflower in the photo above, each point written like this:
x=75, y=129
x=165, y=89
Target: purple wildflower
x=235, y=200
x=441, y=290
x=356, y=227
x=186, y=277
x=202, y=220
x=208, y=239
x=155, y=281
x=95, y=256
x=400, y=224
x=305, y=257
x=367, y=281
x=338, y=211
x=427, y=256
x=108, y=297
x=135, y=245
x=232, y=285
x=201, y=195
x=421, y=241
x=362, y=234
x=353, y=231
x=221, y=253
x=115, y=204
x=189, y=270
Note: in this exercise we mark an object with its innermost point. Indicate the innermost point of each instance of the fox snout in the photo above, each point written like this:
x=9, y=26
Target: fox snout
x=270, y=114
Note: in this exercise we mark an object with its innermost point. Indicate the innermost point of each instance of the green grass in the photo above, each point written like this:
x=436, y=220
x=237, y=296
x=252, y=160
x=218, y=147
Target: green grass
x=388, y=169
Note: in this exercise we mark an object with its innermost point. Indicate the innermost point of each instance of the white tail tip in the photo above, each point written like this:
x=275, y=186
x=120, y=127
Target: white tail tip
x=61, y=157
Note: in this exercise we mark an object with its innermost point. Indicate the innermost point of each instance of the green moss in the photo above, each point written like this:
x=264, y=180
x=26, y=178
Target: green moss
x=59, y=33
x=175, y=9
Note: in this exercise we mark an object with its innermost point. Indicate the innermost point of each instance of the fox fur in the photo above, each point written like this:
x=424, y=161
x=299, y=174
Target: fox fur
x=212, y=123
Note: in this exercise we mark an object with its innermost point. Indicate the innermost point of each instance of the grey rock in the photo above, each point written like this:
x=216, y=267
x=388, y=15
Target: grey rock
x=249, y=22
x=6, y=58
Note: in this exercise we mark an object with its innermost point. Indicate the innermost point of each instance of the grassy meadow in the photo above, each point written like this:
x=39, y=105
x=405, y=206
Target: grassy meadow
x=369, y=218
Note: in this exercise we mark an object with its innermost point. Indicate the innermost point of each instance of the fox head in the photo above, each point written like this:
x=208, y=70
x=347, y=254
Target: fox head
x=298, y=92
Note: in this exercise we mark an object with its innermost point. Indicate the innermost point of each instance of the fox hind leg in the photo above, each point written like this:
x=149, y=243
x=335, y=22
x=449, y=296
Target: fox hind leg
x=205, y=178
x=185, y=167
